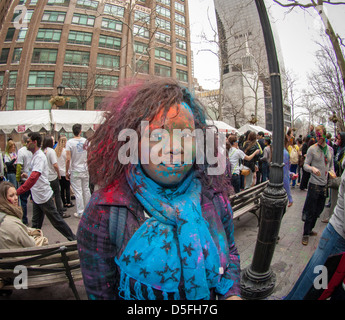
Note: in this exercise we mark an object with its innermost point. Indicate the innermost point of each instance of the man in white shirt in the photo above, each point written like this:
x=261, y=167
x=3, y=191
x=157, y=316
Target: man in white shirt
x=23, y=166
x=76, y=162
x=41, y=192
x=54, y=174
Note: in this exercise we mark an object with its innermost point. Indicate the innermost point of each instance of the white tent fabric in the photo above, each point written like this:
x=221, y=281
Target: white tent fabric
x=65, y=119
x=22, y=120
x=256, y=129
x=222, y=126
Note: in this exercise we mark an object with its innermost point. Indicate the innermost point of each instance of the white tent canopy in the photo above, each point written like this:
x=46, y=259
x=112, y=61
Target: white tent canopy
x=256, y=129
x=222, y=126
x=22, y=120
x=65, y=119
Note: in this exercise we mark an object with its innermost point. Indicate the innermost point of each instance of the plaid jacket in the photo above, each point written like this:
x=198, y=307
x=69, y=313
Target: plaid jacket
x=97, y=252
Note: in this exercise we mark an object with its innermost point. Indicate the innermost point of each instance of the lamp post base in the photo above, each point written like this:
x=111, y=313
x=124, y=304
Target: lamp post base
x=256, y=286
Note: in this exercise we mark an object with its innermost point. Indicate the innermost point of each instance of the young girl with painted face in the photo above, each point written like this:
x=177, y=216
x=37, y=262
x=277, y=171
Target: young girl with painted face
x=157, y=228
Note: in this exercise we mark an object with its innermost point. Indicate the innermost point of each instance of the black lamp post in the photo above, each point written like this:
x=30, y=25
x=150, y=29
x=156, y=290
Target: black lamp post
x=258, y=280
x=60, y=90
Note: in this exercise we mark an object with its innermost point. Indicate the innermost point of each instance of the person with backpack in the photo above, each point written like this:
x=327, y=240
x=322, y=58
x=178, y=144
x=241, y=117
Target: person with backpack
x=293, y=152
x=156, y=228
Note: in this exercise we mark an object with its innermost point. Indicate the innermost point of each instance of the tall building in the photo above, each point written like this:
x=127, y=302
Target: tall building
x=243, y=64
x=88, y=46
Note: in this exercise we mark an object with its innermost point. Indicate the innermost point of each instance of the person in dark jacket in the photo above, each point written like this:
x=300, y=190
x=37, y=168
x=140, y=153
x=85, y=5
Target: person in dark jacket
x=250, y=146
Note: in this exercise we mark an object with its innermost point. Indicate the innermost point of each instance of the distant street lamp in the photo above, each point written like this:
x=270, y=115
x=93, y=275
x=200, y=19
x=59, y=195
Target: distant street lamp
x=334, y=119
x=253, y=119
x=60, y=90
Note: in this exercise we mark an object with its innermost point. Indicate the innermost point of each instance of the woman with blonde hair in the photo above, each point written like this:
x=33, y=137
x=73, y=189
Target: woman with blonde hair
x=13, y=232
x=65, y=185
x=10, y=161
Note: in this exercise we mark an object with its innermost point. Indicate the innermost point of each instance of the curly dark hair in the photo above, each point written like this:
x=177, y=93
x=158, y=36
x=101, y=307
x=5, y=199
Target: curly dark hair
x=125, y=109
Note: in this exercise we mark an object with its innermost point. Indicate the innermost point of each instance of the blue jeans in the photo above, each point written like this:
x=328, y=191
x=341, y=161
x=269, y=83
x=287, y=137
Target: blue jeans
x=331, y=243
x=11, y=177
x=265, y=171
x=24, y=204
x=293, y=168
x=236, y=182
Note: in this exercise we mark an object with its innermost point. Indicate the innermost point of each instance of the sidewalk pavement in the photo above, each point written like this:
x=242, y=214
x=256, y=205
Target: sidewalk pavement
x=289, y=259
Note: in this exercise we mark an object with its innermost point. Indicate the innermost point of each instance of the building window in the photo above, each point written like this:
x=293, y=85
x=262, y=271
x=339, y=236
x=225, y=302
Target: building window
x=83, y=19
x=108, y=61
x=38, y=103
x=79, y=37
x=12, y=81
x=181, y=44
x=114, y=10
x=27, y=17
x=181, y=59
x=44, y=56
x=2, y=76
x=10, y=103
x=166, y=2
x=64, y=3
x=179, y=6
x=111, y=24
x=163, y=24
x=140, y=47
x=162, y=37
x=180, y=31
x=4, y=55
x=161, y=70
x=87, y=4
x=106, y=82
x=141, y=16
x=79, y=58
x=17, y=52
x=39, y=79
x=165, y=12
x=74, y=80
x=182, y=75
x=164, y=54
x=142, y=66
x=98, y=103
x=22, y=34
x=48, y=35
x=109, y=42
x=54, y=16
x=180, y=18
x=140, y=31
x=10, y=34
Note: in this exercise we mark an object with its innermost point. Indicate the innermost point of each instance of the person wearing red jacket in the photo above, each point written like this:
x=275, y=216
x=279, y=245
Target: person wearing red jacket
x=41, y=192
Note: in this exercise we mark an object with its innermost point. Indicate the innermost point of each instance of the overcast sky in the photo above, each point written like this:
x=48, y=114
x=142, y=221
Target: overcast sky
x=297, y=32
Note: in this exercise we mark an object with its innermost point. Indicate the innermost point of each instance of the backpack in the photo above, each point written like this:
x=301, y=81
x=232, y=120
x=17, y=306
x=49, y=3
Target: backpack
x=293, y=155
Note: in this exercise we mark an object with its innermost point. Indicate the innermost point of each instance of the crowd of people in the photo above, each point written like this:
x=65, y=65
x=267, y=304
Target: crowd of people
x=161, y=230
x=43, y=172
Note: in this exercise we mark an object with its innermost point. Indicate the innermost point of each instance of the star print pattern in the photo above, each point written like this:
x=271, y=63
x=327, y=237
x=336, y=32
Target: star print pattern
x=175, y=244
x=188, y=249
x=168, y=274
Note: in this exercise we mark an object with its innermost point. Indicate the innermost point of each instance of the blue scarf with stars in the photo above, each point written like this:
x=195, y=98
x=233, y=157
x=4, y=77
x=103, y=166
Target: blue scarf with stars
x=173, y=244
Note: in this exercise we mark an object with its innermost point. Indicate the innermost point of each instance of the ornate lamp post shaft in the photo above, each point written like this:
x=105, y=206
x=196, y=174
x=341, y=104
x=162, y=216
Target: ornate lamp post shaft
x=258, y=280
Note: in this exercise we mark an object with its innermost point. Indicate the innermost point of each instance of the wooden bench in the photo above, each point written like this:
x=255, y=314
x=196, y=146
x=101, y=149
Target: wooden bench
x=46, y=266
x=247, y=200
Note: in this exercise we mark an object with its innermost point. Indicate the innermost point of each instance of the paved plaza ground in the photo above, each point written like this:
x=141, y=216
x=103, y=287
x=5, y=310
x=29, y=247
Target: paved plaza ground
x=290, y=256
